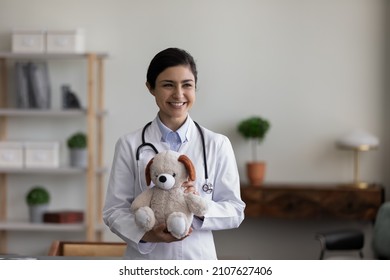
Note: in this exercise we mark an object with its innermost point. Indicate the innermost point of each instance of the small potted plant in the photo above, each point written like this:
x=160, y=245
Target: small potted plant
x=255, y=129
x=37, y=199
x=77, y=144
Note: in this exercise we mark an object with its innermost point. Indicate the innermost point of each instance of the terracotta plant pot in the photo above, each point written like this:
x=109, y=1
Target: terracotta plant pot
x=256, y=173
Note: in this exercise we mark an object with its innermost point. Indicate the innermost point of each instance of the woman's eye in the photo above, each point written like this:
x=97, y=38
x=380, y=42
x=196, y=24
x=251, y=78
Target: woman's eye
x=187, y=85
x=167, y=85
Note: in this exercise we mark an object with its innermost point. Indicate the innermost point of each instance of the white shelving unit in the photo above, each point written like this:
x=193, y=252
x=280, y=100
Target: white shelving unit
x=95, y=171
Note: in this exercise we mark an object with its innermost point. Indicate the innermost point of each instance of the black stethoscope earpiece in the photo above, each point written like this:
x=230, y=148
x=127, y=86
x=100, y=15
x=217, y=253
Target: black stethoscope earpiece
x=207, y=187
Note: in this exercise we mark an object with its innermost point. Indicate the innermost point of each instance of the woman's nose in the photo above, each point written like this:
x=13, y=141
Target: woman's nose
x=178, y=91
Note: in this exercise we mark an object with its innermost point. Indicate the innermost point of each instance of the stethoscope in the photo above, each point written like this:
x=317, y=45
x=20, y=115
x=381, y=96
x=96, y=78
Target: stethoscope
x=207, y=186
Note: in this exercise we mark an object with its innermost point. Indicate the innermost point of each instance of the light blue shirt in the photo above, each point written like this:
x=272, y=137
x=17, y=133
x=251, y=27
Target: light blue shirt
x=173, y=138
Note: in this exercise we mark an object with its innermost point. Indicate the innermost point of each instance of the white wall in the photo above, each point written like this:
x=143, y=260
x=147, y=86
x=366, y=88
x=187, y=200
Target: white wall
x=314, y=68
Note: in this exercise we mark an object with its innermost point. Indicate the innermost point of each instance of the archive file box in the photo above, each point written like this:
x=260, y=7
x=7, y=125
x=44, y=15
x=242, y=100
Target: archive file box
x=41, y=154
x=65, y=41
x=28, y=41
x=11, y=154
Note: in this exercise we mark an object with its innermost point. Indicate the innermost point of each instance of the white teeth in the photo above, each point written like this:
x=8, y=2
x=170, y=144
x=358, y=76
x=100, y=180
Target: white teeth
x=177, y=103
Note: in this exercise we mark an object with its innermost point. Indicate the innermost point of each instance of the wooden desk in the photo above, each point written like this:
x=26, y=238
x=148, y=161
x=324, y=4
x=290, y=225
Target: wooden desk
x=312, y=201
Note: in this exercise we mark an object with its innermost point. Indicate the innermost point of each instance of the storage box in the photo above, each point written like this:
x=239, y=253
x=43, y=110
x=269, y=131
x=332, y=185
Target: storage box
x=28, y=41
x=63, y=217
x=65, y=41
x=11, y=154
x=42, y=154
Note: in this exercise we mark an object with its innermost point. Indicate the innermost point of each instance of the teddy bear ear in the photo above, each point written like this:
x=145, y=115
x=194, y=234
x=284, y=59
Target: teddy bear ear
x=147, y=172
x=189, y=166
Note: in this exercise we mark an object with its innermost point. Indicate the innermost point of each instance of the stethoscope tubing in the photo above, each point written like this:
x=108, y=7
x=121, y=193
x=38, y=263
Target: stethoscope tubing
x=144, y=143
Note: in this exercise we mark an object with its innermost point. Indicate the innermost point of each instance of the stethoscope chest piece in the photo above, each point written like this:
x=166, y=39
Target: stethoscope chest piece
x=207, y=188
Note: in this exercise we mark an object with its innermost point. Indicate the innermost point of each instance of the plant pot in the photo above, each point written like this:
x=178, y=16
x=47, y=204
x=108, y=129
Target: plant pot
x=78, y=157
x=36, y=212
x=256, y=173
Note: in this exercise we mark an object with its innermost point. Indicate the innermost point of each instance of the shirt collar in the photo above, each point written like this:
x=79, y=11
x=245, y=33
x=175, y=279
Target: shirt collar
x=182, y=131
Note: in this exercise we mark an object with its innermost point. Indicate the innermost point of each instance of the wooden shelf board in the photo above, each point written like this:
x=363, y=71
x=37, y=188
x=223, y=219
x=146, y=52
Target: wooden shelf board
x=46, y=113
x=26, y=226
x=60, y=170
x=30, y=56
x=41, y=112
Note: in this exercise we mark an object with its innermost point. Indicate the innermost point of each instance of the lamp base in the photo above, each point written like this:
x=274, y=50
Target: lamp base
x=356, y=185
x=360, y=185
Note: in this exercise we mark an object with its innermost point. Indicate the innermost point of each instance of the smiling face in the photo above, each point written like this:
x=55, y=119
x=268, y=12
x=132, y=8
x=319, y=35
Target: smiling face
x=175, y=94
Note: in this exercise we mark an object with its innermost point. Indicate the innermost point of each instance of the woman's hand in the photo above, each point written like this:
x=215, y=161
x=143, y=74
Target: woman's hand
x=160, y=234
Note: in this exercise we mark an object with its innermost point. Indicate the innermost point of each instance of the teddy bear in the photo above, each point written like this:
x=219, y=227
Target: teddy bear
x=166, y=201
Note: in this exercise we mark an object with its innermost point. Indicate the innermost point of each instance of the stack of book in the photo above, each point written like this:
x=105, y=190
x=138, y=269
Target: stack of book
x=32, y=85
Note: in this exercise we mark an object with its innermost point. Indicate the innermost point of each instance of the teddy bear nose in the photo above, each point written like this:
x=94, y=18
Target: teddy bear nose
x=162, y=179
x=165, y=181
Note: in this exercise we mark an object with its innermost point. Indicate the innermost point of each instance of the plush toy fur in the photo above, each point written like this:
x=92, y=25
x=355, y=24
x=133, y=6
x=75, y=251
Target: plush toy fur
x=166, y=202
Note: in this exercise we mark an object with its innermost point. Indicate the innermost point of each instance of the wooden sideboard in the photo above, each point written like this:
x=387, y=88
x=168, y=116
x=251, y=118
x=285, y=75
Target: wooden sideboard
x=312, y=201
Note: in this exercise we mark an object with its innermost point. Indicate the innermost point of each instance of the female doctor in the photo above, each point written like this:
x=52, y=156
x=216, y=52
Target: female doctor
x=172, y=79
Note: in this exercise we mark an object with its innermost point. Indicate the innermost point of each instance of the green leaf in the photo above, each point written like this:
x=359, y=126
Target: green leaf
x=37, y=195
x=77, y=140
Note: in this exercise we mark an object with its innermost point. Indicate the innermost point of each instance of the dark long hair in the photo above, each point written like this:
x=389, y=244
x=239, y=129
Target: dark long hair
x=168, y=58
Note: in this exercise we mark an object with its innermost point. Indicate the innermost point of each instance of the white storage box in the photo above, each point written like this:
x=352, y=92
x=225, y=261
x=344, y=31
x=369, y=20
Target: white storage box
x=28, y=41
x=11, y=154
x=42, y=154
x=65, y=41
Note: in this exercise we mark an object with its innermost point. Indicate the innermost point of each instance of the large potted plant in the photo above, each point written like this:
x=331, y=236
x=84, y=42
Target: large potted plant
x=255, y=129
x=77, y=144
x=37, y=199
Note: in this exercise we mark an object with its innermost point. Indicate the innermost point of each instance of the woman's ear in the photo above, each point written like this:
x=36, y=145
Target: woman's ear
x=149, y=88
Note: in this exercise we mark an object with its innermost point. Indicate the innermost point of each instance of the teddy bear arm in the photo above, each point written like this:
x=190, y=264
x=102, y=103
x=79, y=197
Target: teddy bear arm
x=142, y=199
x=197, y=205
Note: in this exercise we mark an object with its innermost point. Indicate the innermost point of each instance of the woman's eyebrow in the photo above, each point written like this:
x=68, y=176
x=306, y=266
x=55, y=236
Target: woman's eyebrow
x=171, y=81
x=166, y=81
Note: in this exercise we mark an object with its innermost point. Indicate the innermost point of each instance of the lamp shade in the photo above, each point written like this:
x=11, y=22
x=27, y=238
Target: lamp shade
x=358, y=140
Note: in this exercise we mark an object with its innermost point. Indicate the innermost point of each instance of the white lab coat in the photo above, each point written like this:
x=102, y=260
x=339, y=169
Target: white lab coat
x=226, y=209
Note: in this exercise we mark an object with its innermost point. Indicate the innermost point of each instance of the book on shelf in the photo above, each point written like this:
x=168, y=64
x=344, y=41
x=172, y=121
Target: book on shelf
x=21, y=88
x=32, y=85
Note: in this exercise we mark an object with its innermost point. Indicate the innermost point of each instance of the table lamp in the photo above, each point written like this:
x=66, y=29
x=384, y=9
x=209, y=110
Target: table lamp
x=358, y=141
